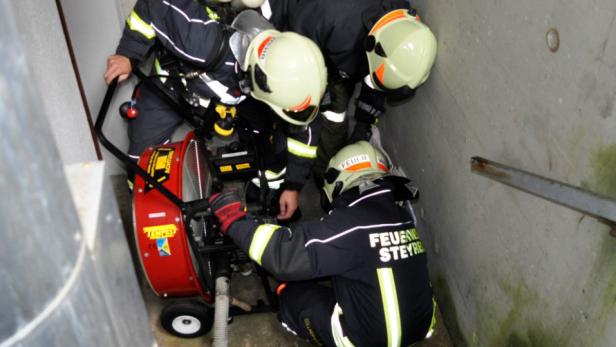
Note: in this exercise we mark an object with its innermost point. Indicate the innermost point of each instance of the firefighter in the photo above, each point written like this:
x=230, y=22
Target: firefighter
x=380, y=293
x=286, y=77
x=159, y=26
x=189, y=40
x=381, y=43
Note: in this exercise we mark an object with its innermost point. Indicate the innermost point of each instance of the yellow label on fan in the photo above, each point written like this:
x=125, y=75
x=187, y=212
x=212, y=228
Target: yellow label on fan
x=160, y=231
x=226, y=168
x=242, y=166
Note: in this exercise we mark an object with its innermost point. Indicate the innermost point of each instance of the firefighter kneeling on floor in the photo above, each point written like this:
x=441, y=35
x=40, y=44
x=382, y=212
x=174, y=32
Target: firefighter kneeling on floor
x=380, y=293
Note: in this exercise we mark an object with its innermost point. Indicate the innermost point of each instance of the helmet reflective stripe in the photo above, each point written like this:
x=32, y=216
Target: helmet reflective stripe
x=135, y=23
x=391, y=16
x=287, y=72
x=301, y=117
x=401, y=51
x=263, y=45
x=304, y=105
x=359, y=166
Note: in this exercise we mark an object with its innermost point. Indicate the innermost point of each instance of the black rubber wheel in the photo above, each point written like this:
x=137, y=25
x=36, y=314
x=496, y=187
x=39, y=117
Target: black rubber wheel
x=187, y=319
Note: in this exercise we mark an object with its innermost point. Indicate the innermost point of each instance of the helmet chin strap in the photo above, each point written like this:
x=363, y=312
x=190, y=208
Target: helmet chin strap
x=245, y=82
x=337, y=190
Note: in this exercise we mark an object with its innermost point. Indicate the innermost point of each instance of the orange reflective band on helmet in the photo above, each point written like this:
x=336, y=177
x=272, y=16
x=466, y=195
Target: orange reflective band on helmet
x=262, y=46
x=391, y=16
x=302, y=106
x=302, y=116
x=359, y=166
x=380, y=73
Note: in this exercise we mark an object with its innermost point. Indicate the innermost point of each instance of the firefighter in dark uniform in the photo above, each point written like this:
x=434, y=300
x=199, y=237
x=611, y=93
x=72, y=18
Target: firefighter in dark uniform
x=381, y=43
x=190, y=38
x=190, y=42
x=367, y=244
x=286, y=75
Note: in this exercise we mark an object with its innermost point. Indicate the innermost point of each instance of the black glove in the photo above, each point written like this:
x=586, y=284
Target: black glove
x=227, y=207
x=370, y=104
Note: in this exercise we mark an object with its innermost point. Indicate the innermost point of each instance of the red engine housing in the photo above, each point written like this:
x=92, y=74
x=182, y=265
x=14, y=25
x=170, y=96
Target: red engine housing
x=164, y=250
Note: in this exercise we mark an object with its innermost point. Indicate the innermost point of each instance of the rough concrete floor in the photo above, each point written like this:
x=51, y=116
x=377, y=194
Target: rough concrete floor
x=255, y=330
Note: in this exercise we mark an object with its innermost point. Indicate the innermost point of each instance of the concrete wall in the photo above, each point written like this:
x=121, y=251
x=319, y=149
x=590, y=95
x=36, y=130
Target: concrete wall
x=95, y=28
x=66, y=279
x=510, y=269
x=41, y=35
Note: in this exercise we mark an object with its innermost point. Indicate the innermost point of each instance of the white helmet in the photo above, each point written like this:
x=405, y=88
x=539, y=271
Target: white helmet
x=286, y=71
x=352, y=165
x=401, y=51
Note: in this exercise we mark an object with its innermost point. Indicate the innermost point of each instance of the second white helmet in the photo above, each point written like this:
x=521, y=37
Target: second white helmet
x=401, y=51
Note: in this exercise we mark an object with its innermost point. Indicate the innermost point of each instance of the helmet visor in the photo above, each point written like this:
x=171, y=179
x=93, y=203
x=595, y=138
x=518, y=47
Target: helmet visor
x=304, y=116
x=247, y=25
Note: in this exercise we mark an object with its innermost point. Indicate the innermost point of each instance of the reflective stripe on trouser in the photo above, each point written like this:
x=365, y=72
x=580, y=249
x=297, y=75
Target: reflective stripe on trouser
x=337, y=333
x=301, y=149
x=137, y=24
x=390, y=306
x=260, y=239
x=433, y=321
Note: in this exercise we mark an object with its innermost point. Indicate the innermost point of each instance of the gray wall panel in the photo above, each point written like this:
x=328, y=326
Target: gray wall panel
x=57, y=287
x=95, y=28
x=40, y=30
x=509, y=268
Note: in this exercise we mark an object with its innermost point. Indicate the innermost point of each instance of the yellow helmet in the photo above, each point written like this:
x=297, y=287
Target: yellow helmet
x=286, y=71
x=401, y=51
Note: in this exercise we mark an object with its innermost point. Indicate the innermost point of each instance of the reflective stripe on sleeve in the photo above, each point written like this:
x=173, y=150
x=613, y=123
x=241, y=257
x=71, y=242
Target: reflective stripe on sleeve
x=260, y=240
x=220, y=90
x=390, y=306
x=135, y=23
x=334, y=117
x=301, y=149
